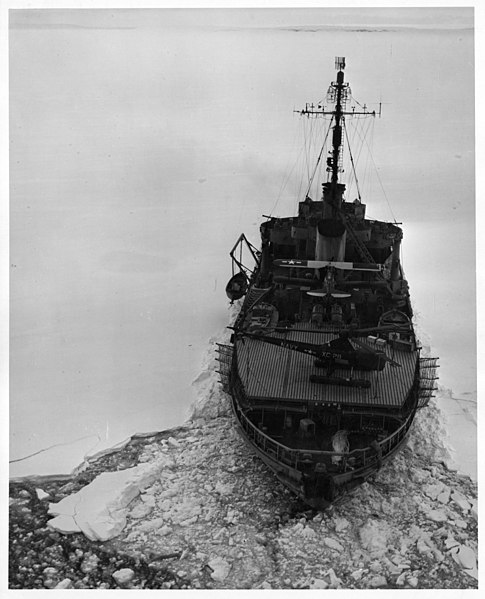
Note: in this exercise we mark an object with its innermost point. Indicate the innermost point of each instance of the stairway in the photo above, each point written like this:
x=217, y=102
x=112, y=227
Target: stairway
x=359, y=244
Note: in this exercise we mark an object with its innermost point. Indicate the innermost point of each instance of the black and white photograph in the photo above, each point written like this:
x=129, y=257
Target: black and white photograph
x=240, y=300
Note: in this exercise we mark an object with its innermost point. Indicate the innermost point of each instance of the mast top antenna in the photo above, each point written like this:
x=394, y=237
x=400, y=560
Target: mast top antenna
x=340, y=63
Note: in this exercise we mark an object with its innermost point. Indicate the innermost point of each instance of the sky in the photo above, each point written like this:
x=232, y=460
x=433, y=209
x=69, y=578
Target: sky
x=453, y=17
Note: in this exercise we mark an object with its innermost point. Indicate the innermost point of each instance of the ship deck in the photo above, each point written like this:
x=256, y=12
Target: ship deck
x=276, y=374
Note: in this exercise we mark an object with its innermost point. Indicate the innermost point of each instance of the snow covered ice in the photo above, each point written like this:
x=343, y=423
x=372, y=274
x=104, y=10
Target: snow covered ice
x=232, y=525
x=99, y=509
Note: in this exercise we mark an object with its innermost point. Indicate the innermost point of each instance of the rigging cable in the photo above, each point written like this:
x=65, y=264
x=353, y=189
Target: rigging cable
x=355, y=133
x=289, y=172
x=380, y=183
x=319, y=158
x=369, y=132
x=364, y=133
x=364, y=140
x=308, y=146
x=363, y=136
x=352, y=161
x=350, y=143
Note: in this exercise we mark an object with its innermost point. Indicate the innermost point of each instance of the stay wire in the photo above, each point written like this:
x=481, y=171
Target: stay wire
x=356, y=132
x=289, y=171
x=319, y=158
x=364, y=140
x=380, y=182
x=352, y=161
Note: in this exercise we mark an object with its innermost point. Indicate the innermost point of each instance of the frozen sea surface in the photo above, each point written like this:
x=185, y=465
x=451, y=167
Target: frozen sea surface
x=139, y=155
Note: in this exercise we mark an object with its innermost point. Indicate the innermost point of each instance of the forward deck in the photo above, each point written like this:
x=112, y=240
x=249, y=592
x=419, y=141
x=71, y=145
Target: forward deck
x=272, y=373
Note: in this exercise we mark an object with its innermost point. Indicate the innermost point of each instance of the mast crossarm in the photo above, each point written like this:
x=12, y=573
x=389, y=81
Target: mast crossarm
x=331, y=112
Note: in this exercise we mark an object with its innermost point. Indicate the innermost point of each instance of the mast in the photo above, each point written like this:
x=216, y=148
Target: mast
x=337, y=130
x=338, y=93
x=331, y=229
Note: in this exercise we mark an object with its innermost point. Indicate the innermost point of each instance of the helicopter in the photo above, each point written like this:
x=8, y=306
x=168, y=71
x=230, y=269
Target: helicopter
x=338, y=352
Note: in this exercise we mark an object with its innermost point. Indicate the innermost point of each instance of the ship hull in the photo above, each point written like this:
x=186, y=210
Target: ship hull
x=324, y=367
x=305, y=472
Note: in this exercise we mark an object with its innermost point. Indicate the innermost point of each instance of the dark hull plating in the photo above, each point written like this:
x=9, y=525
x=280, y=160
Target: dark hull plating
x=319, y=489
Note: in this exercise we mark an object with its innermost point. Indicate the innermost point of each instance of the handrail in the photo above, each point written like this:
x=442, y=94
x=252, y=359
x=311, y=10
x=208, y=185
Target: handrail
x=293, y=456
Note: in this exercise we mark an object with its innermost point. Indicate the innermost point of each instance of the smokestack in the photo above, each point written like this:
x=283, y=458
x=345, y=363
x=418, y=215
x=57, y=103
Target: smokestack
x=330, y=243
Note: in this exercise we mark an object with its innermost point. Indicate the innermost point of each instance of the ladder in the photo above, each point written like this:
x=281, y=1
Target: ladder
x=361, y=247
x=359, y=244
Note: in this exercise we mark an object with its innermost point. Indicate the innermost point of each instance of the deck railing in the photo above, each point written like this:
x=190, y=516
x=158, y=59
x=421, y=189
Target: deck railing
x=427, y=380
x=355, y=459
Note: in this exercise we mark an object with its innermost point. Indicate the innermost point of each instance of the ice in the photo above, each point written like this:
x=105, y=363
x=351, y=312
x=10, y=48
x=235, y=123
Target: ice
x=99, y=509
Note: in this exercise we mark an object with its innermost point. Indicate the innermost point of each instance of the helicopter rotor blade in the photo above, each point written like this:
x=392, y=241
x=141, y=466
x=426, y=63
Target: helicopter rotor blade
x=364, y=266
x=337, y=293
x=350, y=332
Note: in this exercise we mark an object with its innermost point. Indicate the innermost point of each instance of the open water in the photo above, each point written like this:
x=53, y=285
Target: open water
x=142, y=143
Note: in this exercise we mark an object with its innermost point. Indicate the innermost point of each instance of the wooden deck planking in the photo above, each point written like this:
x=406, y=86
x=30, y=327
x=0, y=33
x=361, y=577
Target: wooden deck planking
x=271, y=372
